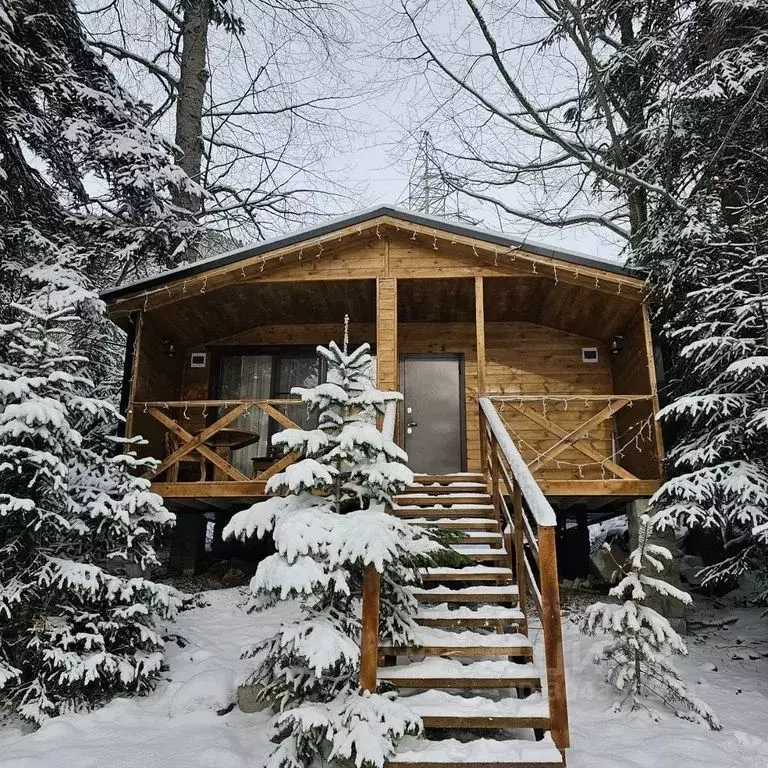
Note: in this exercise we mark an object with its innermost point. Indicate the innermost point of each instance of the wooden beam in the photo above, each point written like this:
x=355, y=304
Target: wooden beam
x=139, y=320
x=220, y=489
x=553, y=638
x=387, y=359
x=629, y=488
x=279, y=417
x=578, y=434
x=369, y=639
x=278, y=466
x=197, y=442
x=557, y=430
x=658, y=438
x=480, y=335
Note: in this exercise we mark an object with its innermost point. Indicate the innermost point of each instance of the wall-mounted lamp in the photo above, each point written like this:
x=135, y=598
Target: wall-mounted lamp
x=169, y=347
x=617, y=344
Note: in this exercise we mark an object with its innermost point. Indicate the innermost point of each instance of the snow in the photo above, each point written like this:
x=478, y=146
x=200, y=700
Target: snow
x=470, y=570
x=139, y=733
x=177, y=724
x=490, y=612
x=451, y=669
x=443, y=638
x=491, y=751
x=442, y=704
x=493, y=589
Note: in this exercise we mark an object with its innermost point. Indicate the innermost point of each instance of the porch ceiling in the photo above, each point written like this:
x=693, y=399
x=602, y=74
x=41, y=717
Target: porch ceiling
x=204, y=318
x=569, y=308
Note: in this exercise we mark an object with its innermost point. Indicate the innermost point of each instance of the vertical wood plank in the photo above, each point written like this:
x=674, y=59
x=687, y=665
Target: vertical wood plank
x=553, y=637
x=658, y=439
x=480, y=333
x=369, y=641
x=387, y=373
x=134, y=374
x=519, y=534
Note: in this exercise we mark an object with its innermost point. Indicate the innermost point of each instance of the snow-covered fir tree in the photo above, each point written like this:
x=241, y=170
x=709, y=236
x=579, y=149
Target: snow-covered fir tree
x=73, y=517
x=85, y=185
x=328, y=524
x=638, y=656
x=708, y=258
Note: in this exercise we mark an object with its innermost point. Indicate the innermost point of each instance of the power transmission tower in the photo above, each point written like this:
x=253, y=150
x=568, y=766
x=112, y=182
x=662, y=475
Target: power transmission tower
x=428, y=191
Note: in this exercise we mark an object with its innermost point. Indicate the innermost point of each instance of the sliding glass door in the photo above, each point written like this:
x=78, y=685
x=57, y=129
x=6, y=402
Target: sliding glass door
x=266, y=377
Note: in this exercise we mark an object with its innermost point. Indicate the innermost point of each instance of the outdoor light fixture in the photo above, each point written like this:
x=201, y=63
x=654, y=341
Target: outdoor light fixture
x=617, y=344
x=169, y=347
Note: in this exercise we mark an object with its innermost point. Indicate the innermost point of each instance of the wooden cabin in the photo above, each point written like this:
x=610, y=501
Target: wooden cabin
x=559, y=342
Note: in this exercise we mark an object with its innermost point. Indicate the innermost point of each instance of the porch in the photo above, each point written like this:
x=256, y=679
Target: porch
x=571, y=376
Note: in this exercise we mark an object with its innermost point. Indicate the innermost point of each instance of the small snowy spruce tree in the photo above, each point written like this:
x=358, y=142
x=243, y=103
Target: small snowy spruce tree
x=643, y=640
x=72, y=515
x=328, y=525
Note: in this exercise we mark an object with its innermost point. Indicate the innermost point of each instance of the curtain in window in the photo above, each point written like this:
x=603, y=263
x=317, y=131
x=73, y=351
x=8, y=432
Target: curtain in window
x=249, y=377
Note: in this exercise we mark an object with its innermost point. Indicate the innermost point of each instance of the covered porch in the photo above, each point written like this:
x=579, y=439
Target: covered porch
x=568, y=367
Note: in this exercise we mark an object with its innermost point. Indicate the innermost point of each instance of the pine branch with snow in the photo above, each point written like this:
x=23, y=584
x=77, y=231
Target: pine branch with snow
x=73, y=516
x=328, y=522
x=638, y=656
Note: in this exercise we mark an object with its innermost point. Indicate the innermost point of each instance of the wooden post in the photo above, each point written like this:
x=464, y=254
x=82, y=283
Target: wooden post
x=369, y=641
x=658, y=439
x=553, y=637
x=386, y=333
x=519, y=533
x=480, y=332
x=495, y=479
x=133, y=383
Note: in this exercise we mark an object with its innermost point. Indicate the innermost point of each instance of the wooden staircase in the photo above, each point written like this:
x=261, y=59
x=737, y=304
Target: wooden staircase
x=471, y=674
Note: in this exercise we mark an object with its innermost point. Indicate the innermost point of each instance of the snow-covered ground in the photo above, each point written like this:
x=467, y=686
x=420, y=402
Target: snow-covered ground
x=178, y=724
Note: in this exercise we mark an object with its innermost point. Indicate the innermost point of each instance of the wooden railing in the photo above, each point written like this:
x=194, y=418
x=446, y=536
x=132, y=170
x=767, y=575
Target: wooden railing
x=206, y=443
x=529, y=523
x=369, y=637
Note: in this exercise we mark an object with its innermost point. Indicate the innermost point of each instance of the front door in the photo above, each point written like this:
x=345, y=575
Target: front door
x=433, y=422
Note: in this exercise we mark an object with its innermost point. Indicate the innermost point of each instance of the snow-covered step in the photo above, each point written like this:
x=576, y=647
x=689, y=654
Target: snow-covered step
x=492, y=538
x=455, y=524
x=437, y=672
x=440, y=709
x=506, y=594
x=425, y=500
x=461, y=488
x=440, y=642
x=442, y=615
x=441, y=513
x=486, y=573
x=482, y=552
x=456, y=477
x=477, y=753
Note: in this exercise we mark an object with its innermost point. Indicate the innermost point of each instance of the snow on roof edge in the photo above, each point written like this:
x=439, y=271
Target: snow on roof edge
x=317, y=230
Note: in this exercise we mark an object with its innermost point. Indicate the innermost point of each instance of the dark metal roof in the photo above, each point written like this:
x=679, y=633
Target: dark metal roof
x=444, y=225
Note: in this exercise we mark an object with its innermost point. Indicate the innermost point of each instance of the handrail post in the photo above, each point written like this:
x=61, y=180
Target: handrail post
x=553, y=637
x=369, y=639
x=496, y=479
x=520, y=572
x=484, y=440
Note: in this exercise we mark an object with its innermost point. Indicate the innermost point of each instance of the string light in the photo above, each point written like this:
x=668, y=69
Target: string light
x=434, y=240
x=242, y=272
x=320, y=250
x=413, y=236
x=184, y=287
x=474, y=250
x=146, y=300
x=554, y=267
x=205, y=283
x=378, y=234
x=301, y=253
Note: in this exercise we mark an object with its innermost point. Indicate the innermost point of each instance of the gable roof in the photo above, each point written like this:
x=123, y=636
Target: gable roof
x=361, y=217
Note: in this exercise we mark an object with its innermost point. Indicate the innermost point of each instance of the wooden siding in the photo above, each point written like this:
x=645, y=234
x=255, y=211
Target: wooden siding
x=526, y=359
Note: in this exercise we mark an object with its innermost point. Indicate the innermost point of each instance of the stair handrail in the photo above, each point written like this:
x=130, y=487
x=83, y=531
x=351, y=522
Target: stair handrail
x=535, y=556
x=369, y=632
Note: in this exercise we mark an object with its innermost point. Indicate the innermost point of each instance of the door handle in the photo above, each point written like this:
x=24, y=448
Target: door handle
x=412, y=424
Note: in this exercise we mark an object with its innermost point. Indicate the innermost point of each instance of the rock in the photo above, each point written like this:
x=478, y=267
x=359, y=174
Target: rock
x=212, y=690
x=234, y=577
x=248, y=698
x=603, y=563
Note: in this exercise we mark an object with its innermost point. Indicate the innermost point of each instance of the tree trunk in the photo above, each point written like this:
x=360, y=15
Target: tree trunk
x=189, y=105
